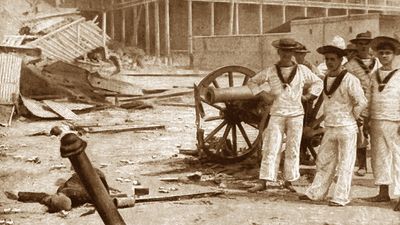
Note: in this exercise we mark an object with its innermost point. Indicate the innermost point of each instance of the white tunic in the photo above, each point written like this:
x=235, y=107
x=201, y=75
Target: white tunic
x=287, y=100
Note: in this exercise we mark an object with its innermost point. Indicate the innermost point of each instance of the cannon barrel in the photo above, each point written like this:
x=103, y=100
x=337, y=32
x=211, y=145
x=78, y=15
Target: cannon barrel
x=214, y=95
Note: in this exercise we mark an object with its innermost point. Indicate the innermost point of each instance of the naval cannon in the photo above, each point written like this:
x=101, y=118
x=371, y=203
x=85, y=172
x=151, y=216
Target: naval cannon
x=230, y=120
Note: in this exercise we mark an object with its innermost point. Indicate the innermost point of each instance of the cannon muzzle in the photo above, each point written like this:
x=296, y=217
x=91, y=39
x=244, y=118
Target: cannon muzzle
x=214, y=95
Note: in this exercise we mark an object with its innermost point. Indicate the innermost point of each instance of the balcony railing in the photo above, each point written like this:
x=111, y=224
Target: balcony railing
x=389, y=5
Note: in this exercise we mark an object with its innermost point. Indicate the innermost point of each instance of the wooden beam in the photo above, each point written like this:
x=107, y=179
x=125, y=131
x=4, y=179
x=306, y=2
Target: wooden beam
x=123, y=26
x=157, y=28
x=147, y=31
x=112, y=26
x=260, y=19
x=190, y=27
x=326, y=12
x=305, y=11
x=231, y=14
x=167, y=34
x=237, y=18
x=104, y=29
x=212, y=19
x=283, y=14
x=135, y=24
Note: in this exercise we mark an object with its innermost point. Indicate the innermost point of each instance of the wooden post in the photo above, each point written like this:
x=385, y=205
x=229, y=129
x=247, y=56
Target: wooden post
x=260, y=19
x=123, y=26
x=305, y=11
x=104, y=27
x=231, y=14
x=147, y=31
x=284, y=14
x=167, y=37
x=135, y=24
x=190, y=32
x=237, y=18
x=112, y=22
x=212, y=19
x=157, y=28
x=326, y=12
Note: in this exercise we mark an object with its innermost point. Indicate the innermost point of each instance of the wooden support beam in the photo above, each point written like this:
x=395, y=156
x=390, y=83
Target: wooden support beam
x=112, y=23
x=167, y=34
x=104, y=27
x=147, y=31
x=260, y=19
x=212, y=19
x=284, y=14
x=135, y=25
x=231, y=14
x=123, y=26
x=237, y=18
x=190, y=28
x=157, y=28
x=305, y=11
x=326, y=12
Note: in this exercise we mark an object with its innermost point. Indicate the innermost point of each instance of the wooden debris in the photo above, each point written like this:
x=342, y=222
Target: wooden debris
x=137, y=105
x=114, y=85
x=61, y=110
x=122, y=128
x=177, y=104
x=124, y=202
x=166, y=94
x=38, y=109
x=186, y=151
x=140, y=190
x=179, y=197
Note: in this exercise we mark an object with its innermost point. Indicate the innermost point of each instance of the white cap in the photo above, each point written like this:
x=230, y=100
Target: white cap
x=339, y=42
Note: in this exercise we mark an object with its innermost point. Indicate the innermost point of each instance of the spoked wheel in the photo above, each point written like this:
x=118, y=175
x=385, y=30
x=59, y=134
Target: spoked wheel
x=312, y=133
x=227, y=131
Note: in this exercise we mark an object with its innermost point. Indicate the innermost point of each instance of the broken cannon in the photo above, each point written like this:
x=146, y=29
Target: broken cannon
x=230, y=120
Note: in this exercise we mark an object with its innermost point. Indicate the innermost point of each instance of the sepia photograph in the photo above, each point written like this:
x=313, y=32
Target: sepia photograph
x=200, y=112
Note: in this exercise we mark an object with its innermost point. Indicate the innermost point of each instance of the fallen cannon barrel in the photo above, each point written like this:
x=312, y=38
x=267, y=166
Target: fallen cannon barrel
x=229, y=94
x=73, y=147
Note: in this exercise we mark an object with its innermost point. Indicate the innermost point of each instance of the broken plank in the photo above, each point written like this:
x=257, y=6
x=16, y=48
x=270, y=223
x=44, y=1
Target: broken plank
x=114, y=85
x=166, y=94
x=117, y=129
x=179, y=197
x=185, y=151
x=176, y=104
x=61, y=110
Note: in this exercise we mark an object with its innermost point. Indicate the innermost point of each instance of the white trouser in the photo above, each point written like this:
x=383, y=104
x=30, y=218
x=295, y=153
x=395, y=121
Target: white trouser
x=385, y=148
x=337, y=151
x=273, y=135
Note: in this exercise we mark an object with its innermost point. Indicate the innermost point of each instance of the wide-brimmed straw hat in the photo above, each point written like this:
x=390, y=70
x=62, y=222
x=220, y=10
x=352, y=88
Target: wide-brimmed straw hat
x=381, y=40
x=286, y=44
x=302, y=49
x=331, y=49
x=366, y=36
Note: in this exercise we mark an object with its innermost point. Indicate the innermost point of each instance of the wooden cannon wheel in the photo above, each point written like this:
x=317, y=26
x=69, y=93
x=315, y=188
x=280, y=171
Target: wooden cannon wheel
x=224, y=133
x=231, y=131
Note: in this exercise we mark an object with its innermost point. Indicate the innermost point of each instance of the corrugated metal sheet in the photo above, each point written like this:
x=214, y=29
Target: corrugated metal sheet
x=70, y=41
x=38, y=109
x=61, y=110
x=10, y=73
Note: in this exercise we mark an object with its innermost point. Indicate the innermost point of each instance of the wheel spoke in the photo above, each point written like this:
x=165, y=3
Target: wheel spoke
x=244, y=134
x=224, y=136
x=215, y=106
x=234, y=139
x=215, y=131
x=315, y=110
x=230, y=77
x=246, y=79
x=212, y=118
x=312, y=151
x=216, y=85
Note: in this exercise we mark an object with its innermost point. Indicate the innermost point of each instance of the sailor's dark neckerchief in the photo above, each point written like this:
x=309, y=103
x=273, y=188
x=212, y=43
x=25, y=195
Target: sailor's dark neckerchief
x=290, y=78
x=335, y=85
x=367, y=69
x=383, y=83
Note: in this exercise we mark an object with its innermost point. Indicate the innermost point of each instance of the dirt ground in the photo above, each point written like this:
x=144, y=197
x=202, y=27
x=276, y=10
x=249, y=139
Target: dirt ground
x=153, y=155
